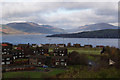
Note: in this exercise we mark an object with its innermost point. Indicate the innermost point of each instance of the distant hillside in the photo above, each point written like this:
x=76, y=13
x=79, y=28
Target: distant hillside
x=7, y=30
x=92, y=27
x=107, y=33
x=30, y=27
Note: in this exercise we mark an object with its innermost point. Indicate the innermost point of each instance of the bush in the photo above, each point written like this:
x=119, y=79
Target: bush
x=77, y=59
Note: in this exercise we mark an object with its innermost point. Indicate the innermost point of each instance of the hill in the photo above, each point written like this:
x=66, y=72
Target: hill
x=93, y=27
x=29, y=28
x=107, y=33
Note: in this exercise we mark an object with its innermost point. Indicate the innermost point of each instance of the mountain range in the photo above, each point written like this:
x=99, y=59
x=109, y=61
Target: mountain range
x=29, y=28
x=92, y=27
x=34, y=28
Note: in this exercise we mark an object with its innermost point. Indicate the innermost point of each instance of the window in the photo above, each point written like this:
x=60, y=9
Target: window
x=7, y=58
x=14, y=57
x=57, y=63
x=39, y=62
x=20, y=56
x=7, y=62
x=62, y=54
x=62, y=63
x=57, y=59
x=34, y=63
x=65, y=64
x=62, y=59
x=3, y=62
x=4, y=49
x=19, y=53
x=3, y=59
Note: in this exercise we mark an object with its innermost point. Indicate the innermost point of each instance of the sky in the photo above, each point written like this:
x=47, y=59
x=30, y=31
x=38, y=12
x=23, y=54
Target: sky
x=62, y=14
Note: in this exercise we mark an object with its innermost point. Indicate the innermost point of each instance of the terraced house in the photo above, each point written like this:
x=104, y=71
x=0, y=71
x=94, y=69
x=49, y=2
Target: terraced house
x=60, y=57
x=25, y=54
x=6, y=54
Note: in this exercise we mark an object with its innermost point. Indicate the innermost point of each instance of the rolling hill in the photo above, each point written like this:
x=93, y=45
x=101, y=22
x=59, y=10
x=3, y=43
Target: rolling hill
x=106, y=33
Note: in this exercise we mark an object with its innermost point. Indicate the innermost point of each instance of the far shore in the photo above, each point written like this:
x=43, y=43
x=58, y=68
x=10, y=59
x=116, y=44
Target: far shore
x=25, y=34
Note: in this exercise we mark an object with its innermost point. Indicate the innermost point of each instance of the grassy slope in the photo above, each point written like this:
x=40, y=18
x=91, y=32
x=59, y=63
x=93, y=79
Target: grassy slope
x=85, y=72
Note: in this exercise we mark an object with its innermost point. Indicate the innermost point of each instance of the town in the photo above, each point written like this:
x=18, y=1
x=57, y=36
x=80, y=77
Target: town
x=30, y=57
x=37, y=55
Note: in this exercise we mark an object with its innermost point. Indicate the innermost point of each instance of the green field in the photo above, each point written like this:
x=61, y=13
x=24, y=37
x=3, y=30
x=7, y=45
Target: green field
x=32, y=74
x=86, y=50
x=93, y=51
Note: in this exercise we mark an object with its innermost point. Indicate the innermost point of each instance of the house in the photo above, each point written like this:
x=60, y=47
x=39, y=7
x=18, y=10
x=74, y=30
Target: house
x=99, y=46
x=17, y=54
x=87, y=46
x=34, y=45
x=59, y=61
x=53, y=45
x=7, y=59
x=6, y=54
x=40, y=45
x=24, y=46
x=59, y=58
x=60, y=51
x=37, y=60
x=42, y=50
x=76, y=45
x=69, y=45
x=61, y=45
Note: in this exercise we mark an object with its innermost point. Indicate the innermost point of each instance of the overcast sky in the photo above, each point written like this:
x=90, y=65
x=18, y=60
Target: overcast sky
x=60, y=14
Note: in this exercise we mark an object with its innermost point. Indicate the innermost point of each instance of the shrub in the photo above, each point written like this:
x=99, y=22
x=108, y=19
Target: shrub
x=77, y=59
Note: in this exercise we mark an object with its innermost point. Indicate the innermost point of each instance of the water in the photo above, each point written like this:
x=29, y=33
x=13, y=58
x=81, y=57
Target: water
x=41, y=39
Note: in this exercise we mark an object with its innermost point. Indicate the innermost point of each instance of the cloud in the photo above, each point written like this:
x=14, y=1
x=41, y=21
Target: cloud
x=60, y=14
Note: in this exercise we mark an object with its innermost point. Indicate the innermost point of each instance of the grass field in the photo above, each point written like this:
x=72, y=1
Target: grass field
x=32, y=74
x=86, y=50
x=83, y=50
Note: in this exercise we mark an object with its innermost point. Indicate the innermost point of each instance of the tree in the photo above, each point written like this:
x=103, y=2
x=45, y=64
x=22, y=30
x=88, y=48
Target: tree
x=77, y=59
